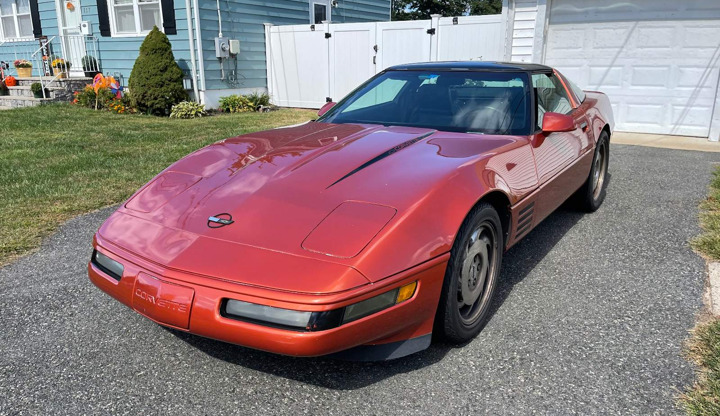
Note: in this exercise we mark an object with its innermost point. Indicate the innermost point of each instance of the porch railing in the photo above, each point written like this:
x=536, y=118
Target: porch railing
x=53, y=58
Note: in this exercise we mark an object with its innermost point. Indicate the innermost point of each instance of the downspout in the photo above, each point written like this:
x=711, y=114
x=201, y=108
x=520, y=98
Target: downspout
x=198, y=41
x=191, y=42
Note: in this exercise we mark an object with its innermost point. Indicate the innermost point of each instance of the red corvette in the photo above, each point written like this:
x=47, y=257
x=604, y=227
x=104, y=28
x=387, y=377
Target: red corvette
x=367, y=230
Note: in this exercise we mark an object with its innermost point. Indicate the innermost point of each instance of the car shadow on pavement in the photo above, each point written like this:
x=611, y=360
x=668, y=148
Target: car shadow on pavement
x=334, y=374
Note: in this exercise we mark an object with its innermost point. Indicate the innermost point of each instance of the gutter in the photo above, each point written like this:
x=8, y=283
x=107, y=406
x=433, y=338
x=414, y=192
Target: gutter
x=191, y=42
x=198, y=41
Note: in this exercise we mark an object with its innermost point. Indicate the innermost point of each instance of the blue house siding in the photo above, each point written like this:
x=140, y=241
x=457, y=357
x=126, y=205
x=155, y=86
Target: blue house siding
x=117, y=54
x=243, y=20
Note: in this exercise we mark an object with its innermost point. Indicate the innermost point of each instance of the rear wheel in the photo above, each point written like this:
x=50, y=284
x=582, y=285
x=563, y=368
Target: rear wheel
x=471, y=276
x=592, y=193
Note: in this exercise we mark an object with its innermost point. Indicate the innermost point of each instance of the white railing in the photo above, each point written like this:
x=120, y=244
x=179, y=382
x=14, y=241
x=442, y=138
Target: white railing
x=52, y=58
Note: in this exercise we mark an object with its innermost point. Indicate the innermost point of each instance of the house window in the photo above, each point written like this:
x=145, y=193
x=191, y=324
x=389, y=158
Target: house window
x=135, y=17
x=319, y=12
x=15, y=20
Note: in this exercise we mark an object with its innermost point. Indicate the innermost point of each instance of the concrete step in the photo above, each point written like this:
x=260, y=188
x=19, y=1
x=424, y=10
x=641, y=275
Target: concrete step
x=25, y=91
x=75, y=82
x=10, y=101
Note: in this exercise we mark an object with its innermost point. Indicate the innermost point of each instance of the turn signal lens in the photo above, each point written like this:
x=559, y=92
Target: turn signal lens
x=406, y=292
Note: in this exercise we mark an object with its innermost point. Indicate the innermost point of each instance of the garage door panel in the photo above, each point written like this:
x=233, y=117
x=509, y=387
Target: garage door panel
x=660, y=71
x=649, y=77
x=607, y=76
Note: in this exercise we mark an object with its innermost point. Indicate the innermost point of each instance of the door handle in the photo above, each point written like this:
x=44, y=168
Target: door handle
x=584, y=126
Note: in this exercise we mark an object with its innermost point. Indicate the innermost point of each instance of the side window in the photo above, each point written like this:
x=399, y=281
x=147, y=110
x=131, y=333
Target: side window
x=384, y=92
x=550, y=95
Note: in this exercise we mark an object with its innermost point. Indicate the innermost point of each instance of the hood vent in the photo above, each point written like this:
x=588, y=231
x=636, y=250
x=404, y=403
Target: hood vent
x=382, y=156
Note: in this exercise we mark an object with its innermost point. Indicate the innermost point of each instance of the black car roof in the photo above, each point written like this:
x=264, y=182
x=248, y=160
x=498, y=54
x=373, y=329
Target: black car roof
x=471, y=66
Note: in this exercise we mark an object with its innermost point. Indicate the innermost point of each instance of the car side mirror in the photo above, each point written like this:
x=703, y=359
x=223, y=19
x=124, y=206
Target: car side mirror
x=556, y=122
x=324, y=109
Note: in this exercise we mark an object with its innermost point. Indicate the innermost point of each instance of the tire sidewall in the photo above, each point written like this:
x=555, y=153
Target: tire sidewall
x=594, y=203
x=448, y=318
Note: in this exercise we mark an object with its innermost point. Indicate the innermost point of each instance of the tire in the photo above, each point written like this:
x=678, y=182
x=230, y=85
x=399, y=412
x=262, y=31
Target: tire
x=592, y=194
x=471, y=276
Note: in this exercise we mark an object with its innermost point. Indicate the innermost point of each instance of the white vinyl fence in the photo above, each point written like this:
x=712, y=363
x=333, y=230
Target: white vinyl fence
x=307, y=64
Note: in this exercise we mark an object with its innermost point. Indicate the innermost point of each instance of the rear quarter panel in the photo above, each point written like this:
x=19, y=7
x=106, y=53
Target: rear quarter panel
x=599, y=112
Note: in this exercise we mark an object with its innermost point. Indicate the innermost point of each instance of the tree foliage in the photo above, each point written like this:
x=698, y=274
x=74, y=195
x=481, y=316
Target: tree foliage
x=156, y=80
x=422, y=9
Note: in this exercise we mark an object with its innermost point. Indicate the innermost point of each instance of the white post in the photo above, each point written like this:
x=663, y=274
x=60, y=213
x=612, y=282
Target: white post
x=434, y=24
x=508, y=16
x=191, y=43
x=326, y=26
x=541, y=22
x=268, y=62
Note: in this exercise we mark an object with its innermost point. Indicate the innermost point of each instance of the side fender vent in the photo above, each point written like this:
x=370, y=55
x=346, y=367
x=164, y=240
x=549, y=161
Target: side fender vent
x=525, y=220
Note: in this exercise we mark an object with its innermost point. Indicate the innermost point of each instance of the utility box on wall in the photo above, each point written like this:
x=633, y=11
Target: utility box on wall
x=222, y=48
x=234, y=47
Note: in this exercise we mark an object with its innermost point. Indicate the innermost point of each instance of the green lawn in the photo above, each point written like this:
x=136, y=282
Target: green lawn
x=60, y=161
x=704, y=347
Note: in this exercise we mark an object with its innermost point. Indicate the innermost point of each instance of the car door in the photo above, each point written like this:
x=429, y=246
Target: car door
x=557, y=154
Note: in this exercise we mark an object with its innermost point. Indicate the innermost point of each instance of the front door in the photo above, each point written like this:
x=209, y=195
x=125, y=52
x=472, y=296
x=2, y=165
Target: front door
x=73, y=41
x=555, y=152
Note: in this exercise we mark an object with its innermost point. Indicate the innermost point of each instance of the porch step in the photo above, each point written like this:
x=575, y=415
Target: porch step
x=25, y=91
x=76, y=83
x=8, y=101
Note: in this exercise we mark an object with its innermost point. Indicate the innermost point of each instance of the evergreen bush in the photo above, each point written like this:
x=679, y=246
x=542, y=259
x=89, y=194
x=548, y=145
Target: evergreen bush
x=156, y=80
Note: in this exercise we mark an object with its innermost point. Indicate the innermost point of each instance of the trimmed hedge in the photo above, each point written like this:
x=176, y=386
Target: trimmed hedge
x=156, y=80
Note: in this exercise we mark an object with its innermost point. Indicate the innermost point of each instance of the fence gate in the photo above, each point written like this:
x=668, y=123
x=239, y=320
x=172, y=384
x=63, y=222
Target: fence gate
x=352, y=48
x=297, y=61
x=306, y=64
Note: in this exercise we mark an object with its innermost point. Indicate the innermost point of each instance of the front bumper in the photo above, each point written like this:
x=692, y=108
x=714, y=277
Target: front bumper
x=192, y=303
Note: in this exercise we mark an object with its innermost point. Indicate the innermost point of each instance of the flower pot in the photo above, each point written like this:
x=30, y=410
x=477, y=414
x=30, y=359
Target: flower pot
x=39, y=94
x=59, y=73
x=4, y=91
x=91, y=74
x=24, y=72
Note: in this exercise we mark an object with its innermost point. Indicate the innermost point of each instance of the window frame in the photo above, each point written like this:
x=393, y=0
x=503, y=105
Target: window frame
x=14, y=16
x=328, y=8
x=535, y=103
x=136, y=14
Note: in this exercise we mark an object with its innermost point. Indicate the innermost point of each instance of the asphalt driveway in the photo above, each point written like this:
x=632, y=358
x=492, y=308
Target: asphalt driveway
x=591, y=317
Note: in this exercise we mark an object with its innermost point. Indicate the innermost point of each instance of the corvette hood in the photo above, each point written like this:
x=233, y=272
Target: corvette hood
x=279, y=185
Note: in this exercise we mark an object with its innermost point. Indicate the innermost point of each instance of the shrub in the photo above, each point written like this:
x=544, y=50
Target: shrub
x=88, y=98
x=235, y=104
x=258, y=100
x=156, y=80
x=188, y=109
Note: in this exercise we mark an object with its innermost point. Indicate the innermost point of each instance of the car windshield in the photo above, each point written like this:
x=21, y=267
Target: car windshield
x=458, y=101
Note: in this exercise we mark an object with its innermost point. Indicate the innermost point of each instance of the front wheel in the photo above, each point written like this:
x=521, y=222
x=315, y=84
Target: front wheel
x=471, y=276
x=592, y=193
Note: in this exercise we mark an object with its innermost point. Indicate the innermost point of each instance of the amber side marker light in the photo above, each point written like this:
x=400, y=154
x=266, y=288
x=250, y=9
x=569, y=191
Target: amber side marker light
x=406, y=292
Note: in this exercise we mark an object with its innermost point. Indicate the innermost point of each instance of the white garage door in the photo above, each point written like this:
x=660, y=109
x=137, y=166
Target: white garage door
x=657, y=60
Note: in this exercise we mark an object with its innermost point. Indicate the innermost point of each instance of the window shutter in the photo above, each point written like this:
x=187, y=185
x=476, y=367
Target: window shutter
x=168, y=14
x=35, y=18
x=103, y=17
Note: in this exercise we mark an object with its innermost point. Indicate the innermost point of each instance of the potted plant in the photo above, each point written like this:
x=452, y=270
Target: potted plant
x=60, y=67
x=90, y=66
x=3, y=88
x=23, y=67
x=37, y=90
